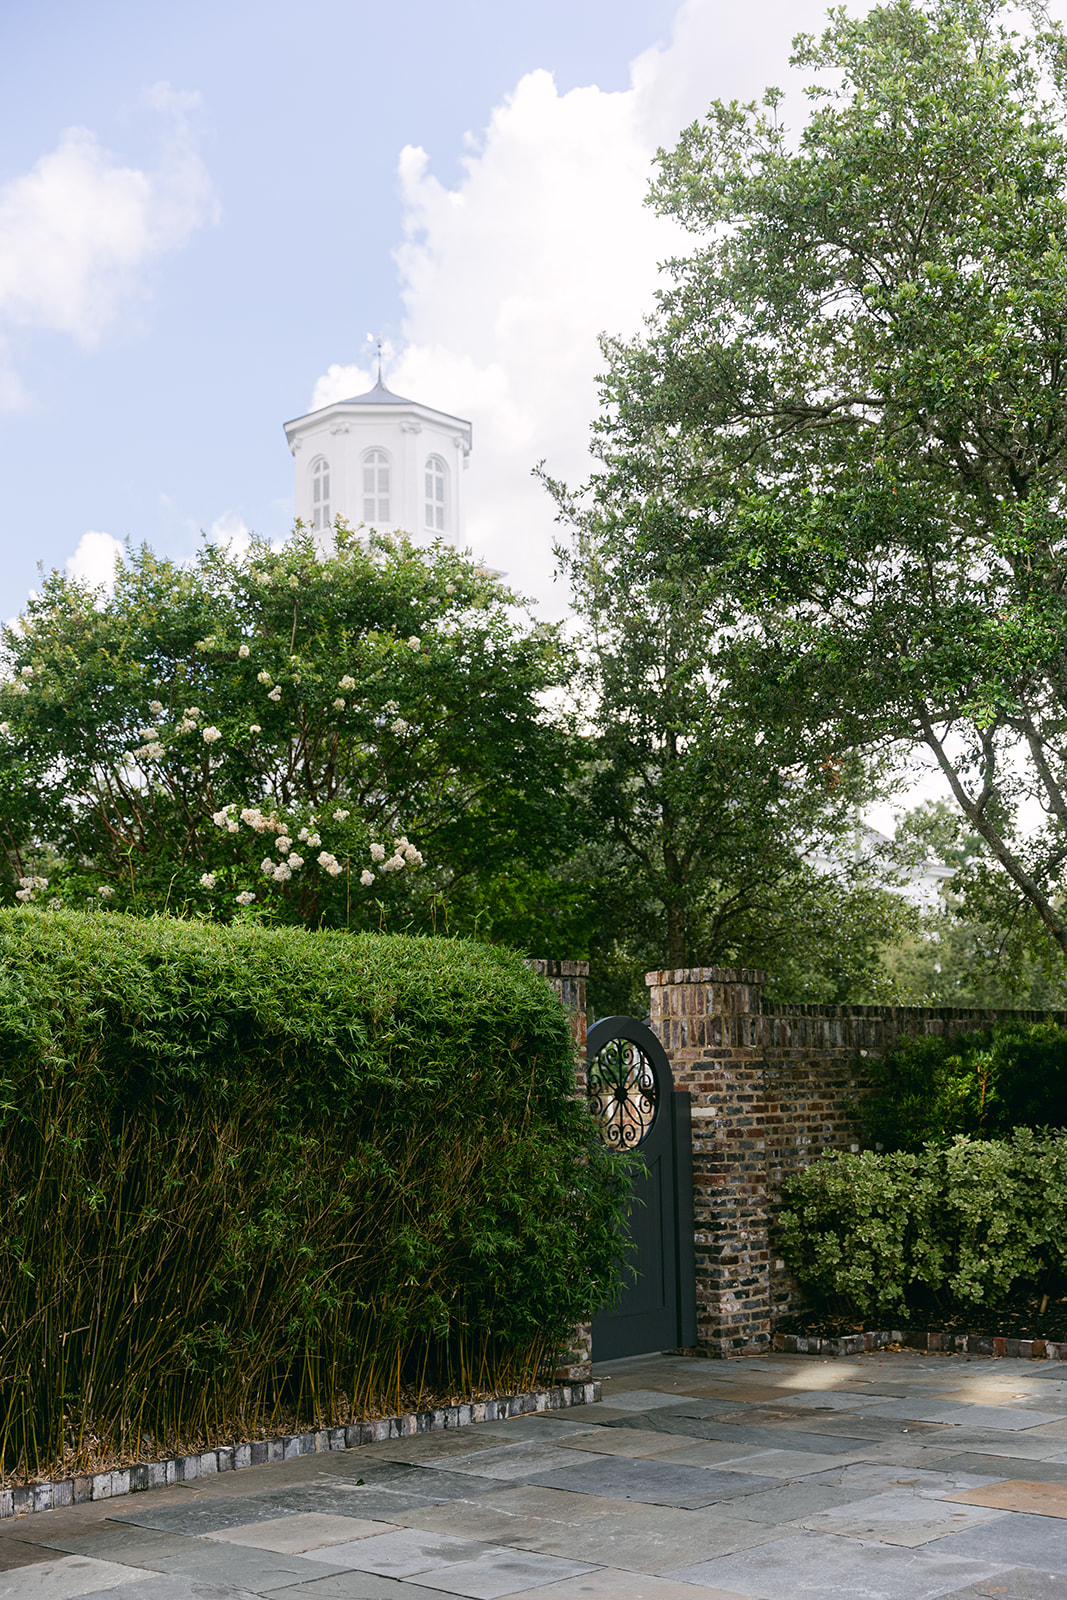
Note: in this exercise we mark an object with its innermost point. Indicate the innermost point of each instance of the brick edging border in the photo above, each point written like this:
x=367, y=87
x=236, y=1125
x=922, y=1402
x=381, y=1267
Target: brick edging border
x=857, y=1344
x=231, y=1458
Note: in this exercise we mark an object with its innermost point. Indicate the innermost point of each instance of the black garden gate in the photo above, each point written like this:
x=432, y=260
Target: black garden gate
x=636, y=1107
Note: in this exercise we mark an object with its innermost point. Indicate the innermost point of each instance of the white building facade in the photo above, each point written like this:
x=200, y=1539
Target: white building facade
x=378, y=459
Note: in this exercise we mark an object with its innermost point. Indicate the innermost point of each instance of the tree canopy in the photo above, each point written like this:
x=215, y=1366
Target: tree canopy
x=353, y=740
x=848, y=412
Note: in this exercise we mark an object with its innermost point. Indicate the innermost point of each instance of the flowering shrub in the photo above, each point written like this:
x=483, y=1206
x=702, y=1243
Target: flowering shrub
x=373, y=720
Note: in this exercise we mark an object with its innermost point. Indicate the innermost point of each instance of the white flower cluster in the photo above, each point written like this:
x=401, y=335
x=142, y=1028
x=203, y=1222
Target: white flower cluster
x=275, y=693
x=253, y=817
x=153, y=751
x=255, y=728
x=189, y=720
x=400, y=727
x=105, y=891
x=264, y=677
x=414, y=643
x=347, y=682
x=329, y=863
x=306, y=836
x=208, y=880
x=245, y=898
x=244, y=652
x=27, y=886
x=225, y=819
x=205, y=644
x=28, y=673
x=338, y=816
x=156, y=707
x=18, y=687
x=339, y=704
x=404, y=855
x=5, y=728
x=211, y=735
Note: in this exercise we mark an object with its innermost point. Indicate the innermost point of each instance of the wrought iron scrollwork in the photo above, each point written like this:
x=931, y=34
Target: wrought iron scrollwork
x=622, y=1094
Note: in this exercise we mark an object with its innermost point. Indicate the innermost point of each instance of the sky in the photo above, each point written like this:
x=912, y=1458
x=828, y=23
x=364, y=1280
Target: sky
x=204, y=209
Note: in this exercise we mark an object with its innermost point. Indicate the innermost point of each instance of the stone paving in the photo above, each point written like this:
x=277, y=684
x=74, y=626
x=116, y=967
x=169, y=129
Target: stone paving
x=892, y=1476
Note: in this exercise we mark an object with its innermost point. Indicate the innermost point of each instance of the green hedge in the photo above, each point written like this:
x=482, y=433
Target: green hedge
x=246, y=1172
x=984, y=1084
x=962, y=1224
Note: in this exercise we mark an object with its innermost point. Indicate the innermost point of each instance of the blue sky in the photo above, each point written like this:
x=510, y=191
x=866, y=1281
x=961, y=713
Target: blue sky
x=204, y=208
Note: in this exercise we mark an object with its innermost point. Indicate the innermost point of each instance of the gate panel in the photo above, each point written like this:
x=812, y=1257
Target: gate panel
x=632, y=1098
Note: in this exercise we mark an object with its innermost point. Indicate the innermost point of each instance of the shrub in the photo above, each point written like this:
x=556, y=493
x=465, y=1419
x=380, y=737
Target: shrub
x=964, y=1223
x=248, y=1170
x=982, y=1084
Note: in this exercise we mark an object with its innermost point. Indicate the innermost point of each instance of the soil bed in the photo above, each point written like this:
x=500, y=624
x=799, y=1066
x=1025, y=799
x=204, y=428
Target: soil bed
x=1017, y=1316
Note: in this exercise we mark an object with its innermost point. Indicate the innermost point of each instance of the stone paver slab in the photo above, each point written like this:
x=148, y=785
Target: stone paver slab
x=790, y=1502
x=618, y=1585
x=308, y=1530
x=66, y=1578
x=1018, y=1494
x=555, y=1505
x=827, y=1400
x=1022, y=1583
x=809, y=1566
x=652, y=1543
x=502, y=1572
x=160, y=1586
x=404, y=1553
x=15, y=1553
x=628, y=1442
x=784, y=1463
x=1016, y=1539
x=515, y=1461
x=652, y=1482
x=998, y=1467
x=637, y=1400
x=899, y=1516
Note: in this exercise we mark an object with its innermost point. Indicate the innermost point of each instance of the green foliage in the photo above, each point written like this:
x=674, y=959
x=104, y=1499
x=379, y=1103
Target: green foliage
x=717, y=837
x=847, y=417
x=353, y=740
x=982, y=1084
x=958, y=1225
x=247, y=1170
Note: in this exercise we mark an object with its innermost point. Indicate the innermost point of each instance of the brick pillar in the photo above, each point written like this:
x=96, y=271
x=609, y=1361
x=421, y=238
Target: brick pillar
x=708, y=1021
x=567, y=978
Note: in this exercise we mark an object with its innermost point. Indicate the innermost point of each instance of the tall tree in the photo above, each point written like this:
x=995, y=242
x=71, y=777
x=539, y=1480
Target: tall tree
x=849, y=410
x=720, y=835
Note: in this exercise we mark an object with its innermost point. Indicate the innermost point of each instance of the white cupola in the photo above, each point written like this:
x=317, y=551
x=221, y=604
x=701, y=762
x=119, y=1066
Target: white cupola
x=378, y=459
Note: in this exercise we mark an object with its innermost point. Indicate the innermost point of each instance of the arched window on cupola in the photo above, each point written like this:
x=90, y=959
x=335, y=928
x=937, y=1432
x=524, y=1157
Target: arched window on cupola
x=436, y=494
x=376, y=487
x=320, y=494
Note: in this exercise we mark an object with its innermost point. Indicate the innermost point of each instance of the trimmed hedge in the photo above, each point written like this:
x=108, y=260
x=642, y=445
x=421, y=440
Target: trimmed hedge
x=248, y=1171
x=984, y=1084
x=960, y=1224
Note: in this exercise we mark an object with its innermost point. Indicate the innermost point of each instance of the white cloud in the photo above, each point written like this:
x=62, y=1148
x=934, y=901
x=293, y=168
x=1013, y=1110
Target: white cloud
x=93, y=562
x=545, y=242
x=231, y=533
x=79, y=229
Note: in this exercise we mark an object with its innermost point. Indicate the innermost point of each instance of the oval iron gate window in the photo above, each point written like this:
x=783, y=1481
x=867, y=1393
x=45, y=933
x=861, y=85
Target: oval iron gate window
x=622, y=1093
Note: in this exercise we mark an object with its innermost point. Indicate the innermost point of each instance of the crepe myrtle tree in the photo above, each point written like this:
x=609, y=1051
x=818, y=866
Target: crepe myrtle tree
x=341, y=740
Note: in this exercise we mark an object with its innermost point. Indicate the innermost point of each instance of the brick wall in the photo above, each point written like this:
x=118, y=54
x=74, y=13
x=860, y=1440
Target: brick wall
x=770, y=1086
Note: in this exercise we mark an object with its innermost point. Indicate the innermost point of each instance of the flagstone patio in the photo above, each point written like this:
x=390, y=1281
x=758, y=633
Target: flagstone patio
x=890, y=1476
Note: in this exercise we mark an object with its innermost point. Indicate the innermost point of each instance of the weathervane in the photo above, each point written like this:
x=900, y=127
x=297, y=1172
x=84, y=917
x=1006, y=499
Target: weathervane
x=377, y=340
